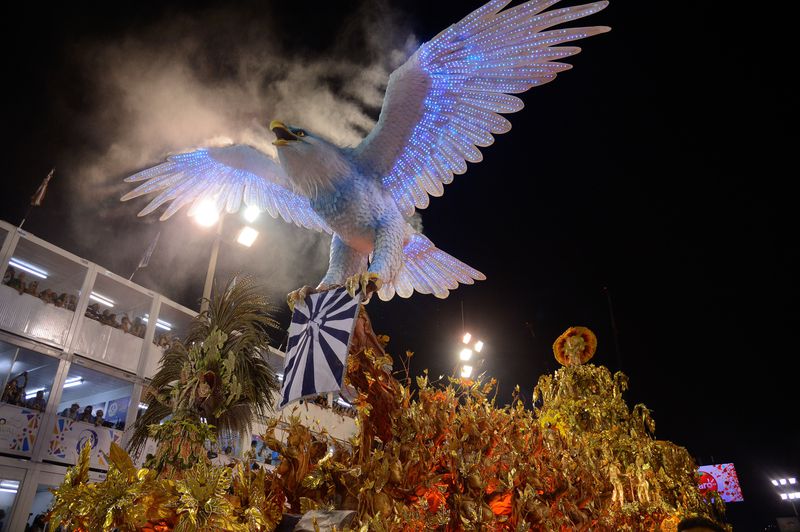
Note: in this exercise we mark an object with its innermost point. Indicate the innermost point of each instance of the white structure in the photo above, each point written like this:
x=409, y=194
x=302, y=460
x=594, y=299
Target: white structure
x=67, y=345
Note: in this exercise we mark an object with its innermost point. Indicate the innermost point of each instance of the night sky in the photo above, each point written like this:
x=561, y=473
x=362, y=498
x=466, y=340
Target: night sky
x=652, y=182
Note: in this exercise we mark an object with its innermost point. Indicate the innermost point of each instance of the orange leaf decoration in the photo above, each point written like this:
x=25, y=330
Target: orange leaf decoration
x=500, y=504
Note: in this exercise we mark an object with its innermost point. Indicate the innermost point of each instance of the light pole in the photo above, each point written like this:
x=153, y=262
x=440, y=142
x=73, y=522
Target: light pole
x=207, y=215
x=788, y=490
x=466, y=354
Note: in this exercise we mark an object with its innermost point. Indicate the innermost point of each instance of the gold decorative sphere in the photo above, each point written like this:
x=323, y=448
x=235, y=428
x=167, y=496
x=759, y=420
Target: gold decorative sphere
x=575, y=346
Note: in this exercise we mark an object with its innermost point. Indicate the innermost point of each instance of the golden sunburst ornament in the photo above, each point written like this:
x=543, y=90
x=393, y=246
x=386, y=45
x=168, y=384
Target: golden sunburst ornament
x=575, y=346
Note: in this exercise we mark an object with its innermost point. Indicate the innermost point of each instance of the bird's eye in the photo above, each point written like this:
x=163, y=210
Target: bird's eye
x=299, y=132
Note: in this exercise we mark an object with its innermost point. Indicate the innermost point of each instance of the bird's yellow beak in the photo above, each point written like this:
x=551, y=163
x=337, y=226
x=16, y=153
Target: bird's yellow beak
x=282, y=133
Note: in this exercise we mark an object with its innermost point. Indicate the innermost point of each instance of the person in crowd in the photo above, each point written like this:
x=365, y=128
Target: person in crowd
x=32, y=288
x=125, y=325
x=71, y=412
x=38, y=403
x=93, y=311
x=99, y=420
x=72, y=302
x=163, y=341
x=37, y=525
x=138, y=327
x=14, y=393
x=61, y=300
x=86, y=415
x=9, y=275
x=18, y=283
x=48, y=296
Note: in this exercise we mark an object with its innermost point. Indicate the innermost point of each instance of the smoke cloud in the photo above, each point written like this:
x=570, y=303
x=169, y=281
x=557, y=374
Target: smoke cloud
x=205, y=79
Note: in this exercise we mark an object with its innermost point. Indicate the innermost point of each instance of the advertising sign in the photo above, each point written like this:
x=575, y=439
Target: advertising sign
x=721, y=478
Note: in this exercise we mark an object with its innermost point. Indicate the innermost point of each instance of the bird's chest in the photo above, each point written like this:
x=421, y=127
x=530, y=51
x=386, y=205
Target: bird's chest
x=351, y=210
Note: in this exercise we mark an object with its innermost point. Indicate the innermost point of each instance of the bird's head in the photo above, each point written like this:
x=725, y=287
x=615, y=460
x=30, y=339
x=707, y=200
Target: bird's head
x=310, y=161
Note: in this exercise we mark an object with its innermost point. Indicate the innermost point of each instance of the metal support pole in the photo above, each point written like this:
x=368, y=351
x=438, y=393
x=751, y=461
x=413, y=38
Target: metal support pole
x=212, y=267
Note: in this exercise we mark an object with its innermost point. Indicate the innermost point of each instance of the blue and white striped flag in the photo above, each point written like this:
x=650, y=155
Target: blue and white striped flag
x=319, y=340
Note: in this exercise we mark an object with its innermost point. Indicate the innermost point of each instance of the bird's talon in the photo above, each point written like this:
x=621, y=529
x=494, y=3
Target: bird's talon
x=298, y=295
x=368, y=282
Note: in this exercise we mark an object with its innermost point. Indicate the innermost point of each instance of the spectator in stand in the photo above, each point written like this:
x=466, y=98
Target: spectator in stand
x=37, y=525
x=18, y=283
x=38, y=403
x=93, y=311
x=32, y=288
x=61, y=301
x=98, y=419
x=139, y=327
x=71, y=412
x=72, y=302
x=48, y=296
x=10, y=272
x=86, y=415
x=14, y=394
x=126, y=324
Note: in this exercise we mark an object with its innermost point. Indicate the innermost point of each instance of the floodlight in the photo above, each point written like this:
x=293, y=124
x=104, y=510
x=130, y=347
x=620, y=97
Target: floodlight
x=466, y=371
x=206, y=213
x=465, y=354
x=478, y=346
x=251, y=213
x=247, y=236
x=467, y=338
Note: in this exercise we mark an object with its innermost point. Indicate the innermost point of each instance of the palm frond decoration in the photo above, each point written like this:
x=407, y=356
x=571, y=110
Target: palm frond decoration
x=217, y=373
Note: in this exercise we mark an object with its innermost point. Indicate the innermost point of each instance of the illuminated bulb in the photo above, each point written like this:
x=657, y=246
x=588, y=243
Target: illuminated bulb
x=774, y=482
x=782, y=481
x=206, y=213
x=478, y=346
x=467, y=338
x=465, y=354
x=784, y=496
x=792, y=480
x=247, y=236
x=251, y=213
x=466, y=371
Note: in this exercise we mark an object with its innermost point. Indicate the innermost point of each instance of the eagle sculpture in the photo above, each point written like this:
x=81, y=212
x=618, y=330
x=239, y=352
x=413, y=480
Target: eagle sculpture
x=442, y=104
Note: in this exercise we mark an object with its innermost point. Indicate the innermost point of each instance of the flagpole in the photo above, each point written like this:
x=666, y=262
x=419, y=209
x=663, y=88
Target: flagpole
x=27, y=213
x=38, y=196
x=145, y=260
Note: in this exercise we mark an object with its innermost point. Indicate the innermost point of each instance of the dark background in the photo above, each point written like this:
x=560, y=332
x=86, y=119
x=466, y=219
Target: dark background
x=659, y=171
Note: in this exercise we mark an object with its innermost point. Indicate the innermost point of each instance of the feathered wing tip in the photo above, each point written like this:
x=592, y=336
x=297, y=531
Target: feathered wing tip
x=428, y=270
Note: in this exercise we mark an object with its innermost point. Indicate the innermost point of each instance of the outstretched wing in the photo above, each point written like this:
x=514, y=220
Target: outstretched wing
x=227, y=176
x=446, y=99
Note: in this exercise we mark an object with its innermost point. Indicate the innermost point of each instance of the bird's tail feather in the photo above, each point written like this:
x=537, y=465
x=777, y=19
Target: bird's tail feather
x=428, y=270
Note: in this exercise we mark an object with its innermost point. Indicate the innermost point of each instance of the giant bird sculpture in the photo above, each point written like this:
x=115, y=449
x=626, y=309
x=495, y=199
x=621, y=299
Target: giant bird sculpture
x=439, y=106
